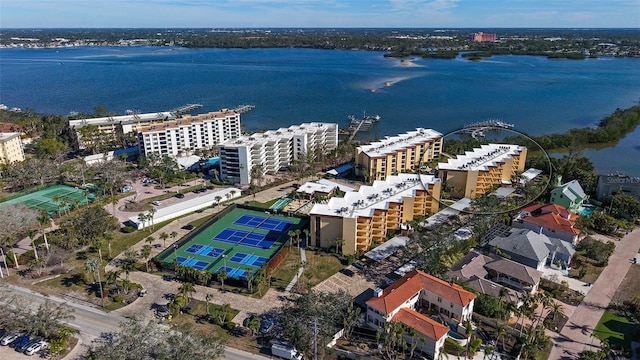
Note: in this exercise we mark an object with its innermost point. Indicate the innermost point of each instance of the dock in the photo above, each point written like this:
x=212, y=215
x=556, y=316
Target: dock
x=241, y=109
x=477, y=130
x=357, y=125
x=185, y=108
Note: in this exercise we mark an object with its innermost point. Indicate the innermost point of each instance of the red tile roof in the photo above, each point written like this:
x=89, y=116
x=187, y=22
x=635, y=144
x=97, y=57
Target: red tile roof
x=554, y=222
x=422, y=324
x=411, y=284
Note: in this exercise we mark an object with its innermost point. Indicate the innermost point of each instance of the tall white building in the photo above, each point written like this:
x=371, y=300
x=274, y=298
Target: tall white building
x=186, y=134
x=11, y=149
x=274, y=149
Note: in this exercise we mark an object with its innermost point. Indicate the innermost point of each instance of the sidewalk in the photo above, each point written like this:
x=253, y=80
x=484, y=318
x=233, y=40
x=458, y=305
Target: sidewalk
x=303, y=260
x=576, y=336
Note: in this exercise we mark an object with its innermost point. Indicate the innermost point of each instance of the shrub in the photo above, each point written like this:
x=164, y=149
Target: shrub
x=117, y=298
x=128, y=229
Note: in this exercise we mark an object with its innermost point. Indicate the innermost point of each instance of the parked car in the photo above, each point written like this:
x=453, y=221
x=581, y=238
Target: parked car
x=156, y=203
x=359, y=264
x=347, y=272
x=35, y=347
x=180, y=195
x=9, y=338
x=24, y=347
x=266, y=325
x=22, y=341
x=188, y=227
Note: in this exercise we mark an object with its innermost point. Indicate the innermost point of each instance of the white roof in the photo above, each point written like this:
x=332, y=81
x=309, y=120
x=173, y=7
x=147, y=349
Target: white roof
x=377, y=196
x=442, y=216
x=531, y=173
x=387, y=248
x=8, y=135
x=125, y=119
x=340, y=186
x=313, y=187
x=482, y=158
x=208, y=197
x=391, y=144
x=185, y=162
x=276, y=135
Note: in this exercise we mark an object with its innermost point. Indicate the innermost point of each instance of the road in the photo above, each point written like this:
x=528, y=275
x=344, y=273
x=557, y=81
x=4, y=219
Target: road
x=91, y=322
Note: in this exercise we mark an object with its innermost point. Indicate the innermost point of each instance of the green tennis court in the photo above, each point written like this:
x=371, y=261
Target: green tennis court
x=240, y=242
x=53, y=199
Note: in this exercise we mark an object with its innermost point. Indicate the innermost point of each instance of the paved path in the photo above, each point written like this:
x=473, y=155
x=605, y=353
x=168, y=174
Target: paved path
x=576, y=336
x=303, y=260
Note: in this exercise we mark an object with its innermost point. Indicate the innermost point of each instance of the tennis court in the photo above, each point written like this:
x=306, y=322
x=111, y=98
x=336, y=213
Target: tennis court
x=54, y=199
x=240, y=242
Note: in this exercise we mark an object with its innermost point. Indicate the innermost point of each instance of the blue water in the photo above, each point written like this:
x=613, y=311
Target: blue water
x=290, y=86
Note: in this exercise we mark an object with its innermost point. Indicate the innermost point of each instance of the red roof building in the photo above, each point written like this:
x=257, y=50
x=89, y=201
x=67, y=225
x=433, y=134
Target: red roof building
x=551, y=220
x=415, y=300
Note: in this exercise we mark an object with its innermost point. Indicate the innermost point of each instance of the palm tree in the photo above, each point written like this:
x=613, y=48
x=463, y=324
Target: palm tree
x=33, y=244
x=207, y=299
x=142, y=218
x=145, y=253
x=164, y=236
x=111, y=277
x=222, y=276
x=306, y=233
x=501, y=332
x=503, y=293
x=129, y=263
x=218, y=198
x=92, y=265
x=186, y=290
x=556, y=309
x=339, y=243
x=152, y=212
x=44, y=219
x=173, y=236
x=253, y=324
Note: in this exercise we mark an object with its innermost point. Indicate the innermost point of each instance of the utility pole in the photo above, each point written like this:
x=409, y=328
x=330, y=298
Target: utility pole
x=315, y=338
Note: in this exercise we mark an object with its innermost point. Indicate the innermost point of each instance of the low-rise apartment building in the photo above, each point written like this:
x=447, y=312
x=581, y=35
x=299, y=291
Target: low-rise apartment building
x=114, y=126
x=476, y=172
x=182, y=136
x=396, y=154
x=11, y=149
x=365, y=217
x=414, y=299
x=275, y=149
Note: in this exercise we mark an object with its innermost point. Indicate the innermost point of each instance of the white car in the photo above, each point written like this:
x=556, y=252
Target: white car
x=8, y=339
x=156, y=203
x=34, y=348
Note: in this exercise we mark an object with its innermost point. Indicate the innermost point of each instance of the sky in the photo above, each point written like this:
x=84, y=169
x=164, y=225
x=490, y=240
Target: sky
x=320, y=13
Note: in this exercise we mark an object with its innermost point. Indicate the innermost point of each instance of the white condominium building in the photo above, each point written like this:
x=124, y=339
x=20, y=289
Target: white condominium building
x=363, y=218
x=115, y=125
x=11, y=149
x=274, y=149
x=476, y=172
x=396, y=154
x=182, y=136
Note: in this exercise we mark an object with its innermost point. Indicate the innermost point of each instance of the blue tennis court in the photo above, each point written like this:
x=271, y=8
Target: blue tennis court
x=234, y=273
x=246, y=238
x=196, y=264
x=262, y=222
x=249, y=259
x=199, y=249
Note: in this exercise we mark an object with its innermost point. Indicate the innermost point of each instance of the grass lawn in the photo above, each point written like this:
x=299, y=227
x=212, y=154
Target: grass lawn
x=615, y=329
x=283, y=275
x=320, y=266
x=630, y=286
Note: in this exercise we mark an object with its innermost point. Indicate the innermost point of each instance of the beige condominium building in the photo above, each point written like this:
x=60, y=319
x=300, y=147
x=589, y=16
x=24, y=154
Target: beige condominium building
x=11, y=148
x=476, y=172
x=274, y=149
x=396, y=154
x=117, y=125
x=363, y=218
x=181, y=136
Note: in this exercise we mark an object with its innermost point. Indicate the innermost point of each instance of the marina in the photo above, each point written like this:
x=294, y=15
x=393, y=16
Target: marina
x=357, y=125
x=478, y=129
x=241, y=109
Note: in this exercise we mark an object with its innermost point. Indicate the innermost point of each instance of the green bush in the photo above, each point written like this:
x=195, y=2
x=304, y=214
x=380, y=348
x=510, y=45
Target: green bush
x=228, y=325
x=128, y=229
x=117, y=298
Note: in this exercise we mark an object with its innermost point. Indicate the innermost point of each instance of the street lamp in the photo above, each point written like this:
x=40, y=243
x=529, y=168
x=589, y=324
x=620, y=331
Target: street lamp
x=224, y=261
x=175, y=251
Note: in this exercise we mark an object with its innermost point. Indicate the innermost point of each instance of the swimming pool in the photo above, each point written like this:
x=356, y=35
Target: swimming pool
x=587, y=210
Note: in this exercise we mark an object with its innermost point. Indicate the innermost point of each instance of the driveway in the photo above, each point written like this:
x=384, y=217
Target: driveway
x=576, y=336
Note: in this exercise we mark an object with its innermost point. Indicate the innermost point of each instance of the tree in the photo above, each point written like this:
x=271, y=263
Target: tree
x=138, y=340
x=391, y=340
x=187, y=289
x=173, y=236
x=164, y=236
x=15, y=222
x=145, y=252
x=253, y=324
x=33, y=244
x=93, y=266
x=327, y=309
x=207, y=298
x=222, y=276
x=129, y=262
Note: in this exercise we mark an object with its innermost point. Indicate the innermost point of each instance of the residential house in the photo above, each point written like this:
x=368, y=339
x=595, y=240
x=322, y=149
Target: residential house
x=532, y=249
x=415, y=300
x=488, y=274
x=551, y=220
x=569, y=195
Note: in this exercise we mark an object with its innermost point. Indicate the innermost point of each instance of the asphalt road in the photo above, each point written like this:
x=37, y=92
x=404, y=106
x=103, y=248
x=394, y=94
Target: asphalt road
x=91, y=322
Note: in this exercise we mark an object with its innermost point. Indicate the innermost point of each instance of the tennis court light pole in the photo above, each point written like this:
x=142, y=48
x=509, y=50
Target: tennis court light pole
x=175, y=251
x=224, y=261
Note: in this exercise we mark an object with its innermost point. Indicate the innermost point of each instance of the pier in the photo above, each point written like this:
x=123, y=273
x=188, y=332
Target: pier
x=185, y=109
x=357, y=125
x=241, y=109
x=477, y=130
